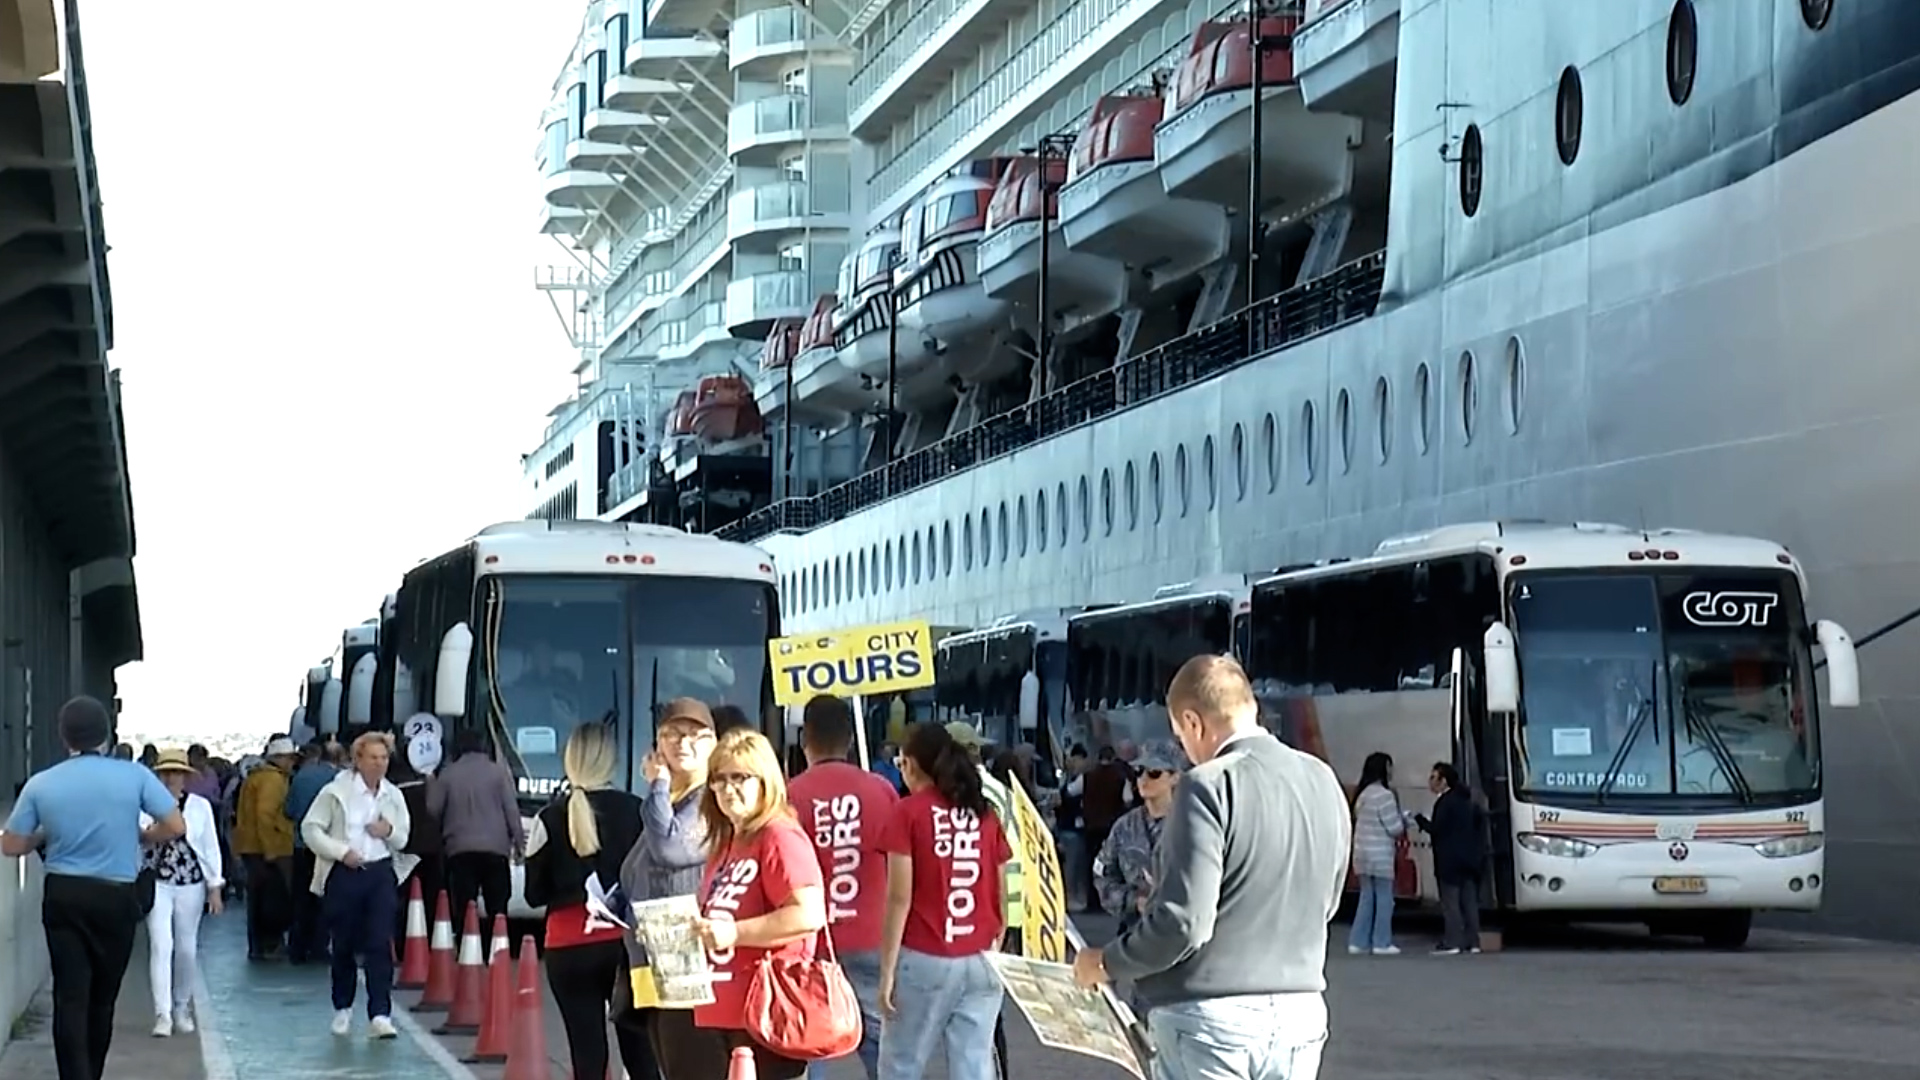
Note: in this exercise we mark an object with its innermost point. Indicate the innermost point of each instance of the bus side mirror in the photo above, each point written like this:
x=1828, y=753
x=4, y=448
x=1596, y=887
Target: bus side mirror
x=1503, y=670
x=329, y=723
x=360, y=692
x=1029, y=701
x=450, y=674
x=1843, y=665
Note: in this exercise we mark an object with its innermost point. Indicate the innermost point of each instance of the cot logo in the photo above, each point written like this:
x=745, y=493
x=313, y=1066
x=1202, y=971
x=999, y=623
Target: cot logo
x=1707, y=608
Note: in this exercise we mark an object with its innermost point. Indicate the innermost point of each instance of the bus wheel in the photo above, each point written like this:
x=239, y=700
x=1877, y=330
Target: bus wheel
x=1727, y=930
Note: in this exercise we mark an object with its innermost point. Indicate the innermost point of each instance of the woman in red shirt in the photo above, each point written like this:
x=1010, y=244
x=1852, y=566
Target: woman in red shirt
x=944, y=853
x=762, y=897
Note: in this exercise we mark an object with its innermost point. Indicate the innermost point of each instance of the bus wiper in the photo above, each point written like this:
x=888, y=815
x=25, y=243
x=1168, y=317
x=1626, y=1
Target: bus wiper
x=1701, y=729
x=1642, y=713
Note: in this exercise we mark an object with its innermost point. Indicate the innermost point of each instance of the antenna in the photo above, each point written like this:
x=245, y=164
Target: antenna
x=1642, y=510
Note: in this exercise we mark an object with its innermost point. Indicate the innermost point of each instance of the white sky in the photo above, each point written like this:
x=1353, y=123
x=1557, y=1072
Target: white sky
x=322, y=221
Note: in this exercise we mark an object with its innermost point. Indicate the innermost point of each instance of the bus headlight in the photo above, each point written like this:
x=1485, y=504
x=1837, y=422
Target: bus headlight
x=1787, y=847
x=1564, y=847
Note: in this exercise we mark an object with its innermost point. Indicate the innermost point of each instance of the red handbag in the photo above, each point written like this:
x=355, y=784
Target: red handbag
x=803, y=1009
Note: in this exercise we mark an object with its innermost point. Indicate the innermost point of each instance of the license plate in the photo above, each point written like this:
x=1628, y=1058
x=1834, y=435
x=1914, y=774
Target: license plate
x=1679, y=885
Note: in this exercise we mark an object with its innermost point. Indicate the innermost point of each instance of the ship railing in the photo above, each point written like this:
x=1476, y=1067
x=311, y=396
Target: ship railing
x=1348, y=293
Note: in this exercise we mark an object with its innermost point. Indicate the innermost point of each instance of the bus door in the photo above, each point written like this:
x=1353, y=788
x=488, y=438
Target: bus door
x=1479, y=753
x=1242, y=641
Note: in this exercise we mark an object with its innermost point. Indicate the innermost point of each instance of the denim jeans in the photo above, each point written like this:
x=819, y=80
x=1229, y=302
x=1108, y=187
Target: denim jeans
x=1373, y=918
x=863, y=971
x=1256, y=1037
x=941, y=999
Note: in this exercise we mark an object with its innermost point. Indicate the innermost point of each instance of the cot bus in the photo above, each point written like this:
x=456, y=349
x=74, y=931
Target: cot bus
x=321, y=689
x=532, y=628
x=1635, y=709
x=1008, y=679
x=355, y=663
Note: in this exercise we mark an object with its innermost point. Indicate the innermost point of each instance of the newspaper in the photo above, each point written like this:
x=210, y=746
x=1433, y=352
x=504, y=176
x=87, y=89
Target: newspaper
x=677, y=974
x=1062, y=1014
x=607, y=905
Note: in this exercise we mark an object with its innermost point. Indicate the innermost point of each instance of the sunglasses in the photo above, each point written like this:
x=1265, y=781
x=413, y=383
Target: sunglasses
x=1155, y=774
x=731, y=779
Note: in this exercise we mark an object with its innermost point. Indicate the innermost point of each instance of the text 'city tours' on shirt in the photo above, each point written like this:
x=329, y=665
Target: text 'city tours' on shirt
x=757, y=875
x=844, y=809
x=957, y=857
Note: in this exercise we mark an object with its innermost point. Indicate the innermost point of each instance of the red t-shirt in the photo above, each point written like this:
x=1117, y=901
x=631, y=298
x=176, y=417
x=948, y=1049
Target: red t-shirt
x=957, y=859
x=845, y=808
x=753, y=878
x=571, y=925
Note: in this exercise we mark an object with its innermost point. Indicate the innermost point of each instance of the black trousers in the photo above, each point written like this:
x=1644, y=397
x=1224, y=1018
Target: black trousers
x=306, y=938
x=90, y=926
x=688, y=1052
x=478, y=875
x=1460, y=914
x=582, y=980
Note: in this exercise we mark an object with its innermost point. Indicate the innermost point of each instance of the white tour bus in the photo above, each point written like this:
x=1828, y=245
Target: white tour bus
x=1635, y=709
x=1008, y=679
x=532, y=628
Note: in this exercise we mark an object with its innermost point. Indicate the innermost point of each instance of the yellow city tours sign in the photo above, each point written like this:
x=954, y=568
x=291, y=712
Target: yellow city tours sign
x=1043, y=934
x=884, y=658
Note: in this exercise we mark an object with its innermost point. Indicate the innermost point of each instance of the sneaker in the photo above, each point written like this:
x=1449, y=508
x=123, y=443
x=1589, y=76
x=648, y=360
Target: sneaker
x=1474, y=951
x=162, y=1027
x=1355, y=950
x=183, y=1020
x=1445, y=950
x=1390, y=950
x=342, y=1021
x=381, y=1028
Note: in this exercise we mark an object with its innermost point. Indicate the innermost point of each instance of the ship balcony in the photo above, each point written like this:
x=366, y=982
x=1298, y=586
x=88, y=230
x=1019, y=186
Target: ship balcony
x=785, y=207
x=757, y=301
x=1121, y=211
x=637, y=93
x=1346, y=55
x=760, y=44
x=758, y=130
x=937, y=38
x=1079, y=284
x=669, y=57
x=578, y=189
x=589, y=155
x=562, y=220
x=615, y=125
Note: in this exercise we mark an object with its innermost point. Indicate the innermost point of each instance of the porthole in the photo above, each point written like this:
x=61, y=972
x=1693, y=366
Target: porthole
x=887, y=576
x=933, y=553
x=1423, y=408
x=860, y=575
x=1153, y=485
x=1683, y=51
x=1516, y=384
x=1133, y=498
x=916, y=558
x=1040, y=518
x=966, y=542
x=1816, y=13
x=946, y=549
x=1238, y=447
x=986, y=538
x=1106, y=502
x=1382, y=418
x=1270, y=450
x=1309, y=453
x=1343, y=424
x=1207, y=474
x=1020, y=525
x=1469, y=396
x=1569, y=113
x=1181, y=480
x=1472, y=170
x=1005, y=548
x=1060, y=509
x=1085, y=502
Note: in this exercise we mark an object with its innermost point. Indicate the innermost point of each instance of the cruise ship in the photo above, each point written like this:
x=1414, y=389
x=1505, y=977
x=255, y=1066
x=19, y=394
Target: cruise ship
x=1133, y=292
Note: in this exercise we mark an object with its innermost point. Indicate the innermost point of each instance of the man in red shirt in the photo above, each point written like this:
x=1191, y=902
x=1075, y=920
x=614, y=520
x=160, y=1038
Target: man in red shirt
x=844, y=808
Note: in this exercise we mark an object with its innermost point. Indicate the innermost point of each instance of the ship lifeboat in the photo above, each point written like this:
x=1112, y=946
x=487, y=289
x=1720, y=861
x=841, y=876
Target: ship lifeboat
x=680, y=417
x=723, y=411
x=825, y=394
x=861, y=323
x=1201, y=144
x=1114, y=205
x=1010, y=252
x=937, y=289
x=776, y=355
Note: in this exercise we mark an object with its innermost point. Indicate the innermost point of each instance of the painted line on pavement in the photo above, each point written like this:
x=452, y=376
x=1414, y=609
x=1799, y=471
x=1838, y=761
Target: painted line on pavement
x=431, y=1046
x=215, y=1057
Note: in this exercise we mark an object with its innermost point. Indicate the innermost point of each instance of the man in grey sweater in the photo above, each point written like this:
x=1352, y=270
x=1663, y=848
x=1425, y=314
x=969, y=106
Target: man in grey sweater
x=1231, y=952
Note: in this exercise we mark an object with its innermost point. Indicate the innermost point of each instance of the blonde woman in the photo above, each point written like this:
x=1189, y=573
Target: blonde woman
x=356, y=829
x=762, y=895
x=589, y=832
x=189, y=878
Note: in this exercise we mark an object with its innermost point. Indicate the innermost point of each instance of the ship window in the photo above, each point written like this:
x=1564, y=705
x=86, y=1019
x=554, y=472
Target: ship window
x=1207, y=471
x=1133, y=498
x=1343, y=421
x=1683, y=51
x=966, y=542
x=886, y=578
x=1060, y=509
x=946, y=549
x=1180, y=479
x=1040, y=519
x=1568, y=114
x=986, y=538
x=1239, y=449
x=1106, y=502
x=1085, y=504
x=1383, y=417
x=1516, y=384
x=1423, y=406
x=1020, y=523
x=1469, y=395
x=1270, y=450
x=1309, y=453
x=859, y=575
x=916, y=559
x=1003, y=531
x=1153, y=479
x=1472, y=170
x=1816, y=13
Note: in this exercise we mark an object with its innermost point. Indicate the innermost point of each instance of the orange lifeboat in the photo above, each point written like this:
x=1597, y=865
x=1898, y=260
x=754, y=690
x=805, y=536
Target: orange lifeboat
x=1220, y=58
x=1114, y=204
x=723, y=410
x=817, y=331
x=783, y=344
x=1119, y=131
x=1010, y=253
x=680, y=417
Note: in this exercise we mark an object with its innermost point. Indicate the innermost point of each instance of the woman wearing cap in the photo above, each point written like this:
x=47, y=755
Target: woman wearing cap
x=189, y=878
x=1123, y=871
x=587, y=834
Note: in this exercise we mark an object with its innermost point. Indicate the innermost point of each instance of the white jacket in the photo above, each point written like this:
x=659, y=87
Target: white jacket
x=325, y=827
x=201, y=837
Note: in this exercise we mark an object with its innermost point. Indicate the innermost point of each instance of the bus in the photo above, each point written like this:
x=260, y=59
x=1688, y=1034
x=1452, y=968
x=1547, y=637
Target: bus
x=321, y=689
x=1635, y=709
x=532, y=628
x=356, y=663
x=1009, y=680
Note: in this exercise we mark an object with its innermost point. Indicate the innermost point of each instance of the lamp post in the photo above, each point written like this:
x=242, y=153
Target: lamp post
x=1258, y=45
x=786, y=428
x=1052, y=147
x=893, y=350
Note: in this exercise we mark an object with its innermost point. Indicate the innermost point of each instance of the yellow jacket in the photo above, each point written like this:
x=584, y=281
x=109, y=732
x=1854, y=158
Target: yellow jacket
x=261, y=825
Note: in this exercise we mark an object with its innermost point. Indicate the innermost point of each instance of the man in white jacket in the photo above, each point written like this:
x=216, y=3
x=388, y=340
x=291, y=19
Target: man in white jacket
x=355, y=829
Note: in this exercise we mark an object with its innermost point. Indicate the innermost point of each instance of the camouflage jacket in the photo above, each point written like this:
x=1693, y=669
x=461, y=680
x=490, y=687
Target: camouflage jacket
x=1126, y=867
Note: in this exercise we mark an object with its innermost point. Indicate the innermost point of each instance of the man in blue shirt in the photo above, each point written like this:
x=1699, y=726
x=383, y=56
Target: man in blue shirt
x=83, y=815
x=305, y=943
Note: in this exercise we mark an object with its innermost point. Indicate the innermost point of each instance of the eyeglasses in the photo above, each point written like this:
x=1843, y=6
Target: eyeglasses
x=731, y=779
x=685, y=735
x=1155, y=774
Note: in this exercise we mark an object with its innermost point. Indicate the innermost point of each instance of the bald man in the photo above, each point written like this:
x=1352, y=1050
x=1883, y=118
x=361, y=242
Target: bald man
x=1231, y=951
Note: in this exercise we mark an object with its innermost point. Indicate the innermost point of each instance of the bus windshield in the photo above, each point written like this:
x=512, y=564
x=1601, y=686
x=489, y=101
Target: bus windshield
x=558, y=652
x=1683, y=686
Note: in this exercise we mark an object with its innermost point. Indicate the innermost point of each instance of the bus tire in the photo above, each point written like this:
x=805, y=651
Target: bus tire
x=1727, y=930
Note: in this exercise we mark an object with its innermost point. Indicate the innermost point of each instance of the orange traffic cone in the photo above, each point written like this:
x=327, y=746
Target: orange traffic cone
x=740, y=1066
x=469, y=1005
x=496, y=1027
x=439, y=991
x=413, y=960
x=527, y=1049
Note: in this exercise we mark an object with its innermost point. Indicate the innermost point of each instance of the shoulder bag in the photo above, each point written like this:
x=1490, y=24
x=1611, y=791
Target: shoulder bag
x=803, y=1009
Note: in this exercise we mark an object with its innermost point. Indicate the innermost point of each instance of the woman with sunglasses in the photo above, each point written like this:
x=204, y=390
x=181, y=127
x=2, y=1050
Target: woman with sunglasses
x=1123, y=870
